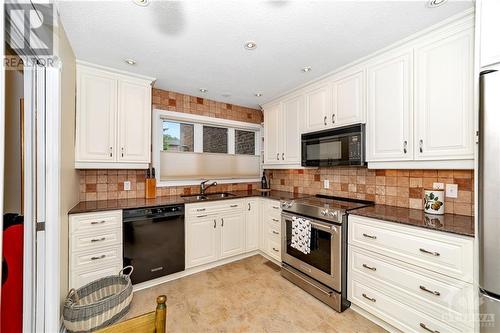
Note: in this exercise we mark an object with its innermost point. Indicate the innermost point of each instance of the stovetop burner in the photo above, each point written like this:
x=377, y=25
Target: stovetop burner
x=324, y=207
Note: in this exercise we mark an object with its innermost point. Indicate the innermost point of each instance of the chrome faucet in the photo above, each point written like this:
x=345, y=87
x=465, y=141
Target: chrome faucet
x=203, y=188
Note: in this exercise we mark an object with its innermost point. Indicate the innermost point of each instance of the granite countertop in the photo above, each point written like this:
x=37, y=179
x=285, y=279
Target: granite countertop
x=456, y=224
x=101, y=205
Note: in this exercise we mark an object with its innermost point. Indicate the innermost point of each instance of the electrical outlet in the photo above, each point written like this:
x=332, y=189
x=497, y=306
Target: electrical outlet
x=437, y=186
x=452, y=190
x=126, y=185
x=326, y=183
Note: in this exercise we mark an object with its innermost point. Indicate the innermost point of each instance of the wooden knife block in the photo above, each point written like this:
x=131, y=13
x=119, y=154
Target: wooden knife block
x=150, y=188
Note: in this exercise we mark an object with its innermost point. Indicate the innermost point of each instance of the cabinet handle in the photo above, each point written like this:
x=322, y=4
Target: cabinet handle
x=369, y=298
x=369, y=236
x=437, y=293
x=122, y=151
x=405, y=144
x=276, y=207
x=428, y=329
x=276, y=220
x=435, y=254
x=421, y=145
x=110, y=151
x=202, y=216
x=222, y=222
x=333, y=118
x=215, y=223
x=278, y=156
x=97, y=222
x=201, y=209
x=233, y=206
x=249, y=207
x=275, y=249
x=324, y=121
x=275, y=232
x=98, y=239
x=97, y=258
x=370, y=268
x=283, y=156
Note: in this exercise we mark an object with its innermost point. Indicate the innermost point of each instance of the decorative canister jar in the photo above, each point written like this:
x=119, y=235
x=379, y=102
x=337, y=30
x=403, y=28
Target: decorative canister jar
x=434, y=201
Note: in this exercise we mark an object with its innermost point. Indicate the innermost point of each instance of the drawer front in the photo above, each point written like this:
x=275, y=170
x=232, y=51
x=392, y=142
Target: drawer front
x=272, y=230
x=99, y=257
x=435, y=251
x=274, y=248
x=431, y=293
x=95, y=222
x=401, y=316
x=95, y=240
x=215, y=207
x=81, y=278
x=272, y=208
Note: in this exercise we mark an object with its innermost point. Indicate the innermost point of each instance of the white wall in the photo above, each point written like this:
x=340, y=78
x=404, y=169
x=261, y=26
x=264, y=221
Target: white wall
x=12, y=172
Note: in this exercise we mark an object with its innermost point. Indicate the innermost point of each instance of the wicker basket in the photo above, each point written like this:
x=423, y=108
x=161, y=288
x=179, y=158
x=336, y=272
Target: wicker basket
x=99, y=303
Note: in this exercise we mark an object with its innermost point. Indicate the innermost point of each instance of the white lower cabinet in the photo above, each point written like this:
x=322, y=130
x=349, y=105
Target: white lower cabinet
x=415, y=280
x=271, y=229
x=232, y=231
x=252, y=223
x=95, y=243
x=202, y=238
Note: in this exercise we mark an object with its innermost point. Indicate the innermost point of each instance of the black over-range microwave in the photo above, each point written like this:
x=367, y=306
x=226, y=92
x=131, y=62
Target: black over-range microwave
x=338, y=146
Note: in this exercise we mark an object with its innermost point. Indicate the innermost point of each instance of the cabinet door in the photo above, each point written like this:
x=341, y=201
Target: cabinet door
x=134, y=118
x=272, y=139
x=389, y=109
x=96, y=107
x=348, y=99
x=318, y=108
x=202, y=240
x=232, y=232
x=291, y=109
x=444, y=107
x=252, y=222
x=490, y=32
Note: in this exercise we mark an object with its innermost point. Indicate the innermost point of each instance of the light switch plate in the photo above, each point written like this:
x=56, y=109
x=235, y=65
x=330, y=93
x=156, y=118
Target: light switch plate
x=126, y=185
x=326, y=183
x=438, y=186
x=452, y=190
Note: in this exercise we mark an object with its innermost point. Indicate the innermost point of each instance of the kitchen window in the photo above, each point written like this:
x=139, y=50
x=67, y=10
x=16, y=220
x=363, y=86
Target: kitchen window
x=190, y=148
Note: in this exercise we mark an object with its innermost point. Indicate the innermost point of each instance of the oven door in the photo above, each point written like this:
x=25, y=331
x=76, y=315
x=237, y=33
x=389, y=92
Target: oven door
x=323, y=263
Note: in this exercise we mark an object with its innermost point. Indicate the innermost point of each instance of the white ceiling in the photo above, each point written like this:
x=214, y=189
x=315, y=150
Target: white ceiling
x=188, y=45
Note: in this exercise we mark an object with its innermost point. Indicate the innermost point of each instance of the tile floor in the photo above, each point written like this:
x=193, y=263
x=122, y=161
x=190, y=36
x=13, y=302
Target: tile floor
x=245, y=296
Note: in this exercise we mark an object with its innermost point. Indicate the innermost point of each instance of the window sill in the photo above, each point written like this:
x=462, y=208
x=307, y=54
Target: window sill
x=194, y=182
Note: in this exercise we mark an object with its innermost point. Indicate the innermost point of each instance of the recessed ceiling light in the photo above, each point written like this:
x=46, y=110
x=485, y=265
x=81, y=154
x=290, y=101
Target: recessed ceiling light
x=307, y=69
x=435, y=3
x=203, y=90
x=250, y=45
x=258, y=94
x=130, y=61
x=142, y=3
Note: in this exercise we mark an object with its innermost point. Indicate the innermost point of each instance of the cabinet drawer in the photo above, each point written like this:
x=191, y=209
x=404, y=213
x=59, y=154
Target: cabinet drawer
x=214, y=207
x=435, y=251
x=429, y=292
x=274, y=248
x=272, y=209
x=99, y=257
x=82, y=277
x=401, y=316
x=89, y=241
x=95, y=222
x=272, y=230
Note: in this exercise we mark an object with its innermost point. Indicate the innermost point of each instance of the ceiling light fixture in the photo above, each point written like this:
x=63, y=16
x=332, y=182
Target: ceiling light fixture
x=250, y=45
x=203, y=90
x=307, y=69
x=435, y=3
x=130, y=61
x=258, y=94
x=142, y=3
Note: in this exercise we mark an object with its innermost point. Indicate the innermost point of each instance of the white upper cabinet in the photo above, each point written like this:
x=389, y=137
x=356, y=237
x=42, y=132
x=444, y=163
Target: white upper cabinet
x=348, y=98
x=291, y=147
x=389, y=108
x=490, y=32
x=318, y=108
x=272, y=130
x=96, y=139
x=135, y=122
x=113, y=119
x=444, y=107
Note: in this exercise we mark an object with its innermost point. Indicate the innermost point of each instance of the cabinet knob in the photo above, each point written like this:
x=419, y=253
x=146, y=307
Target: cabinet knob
x=324, y=121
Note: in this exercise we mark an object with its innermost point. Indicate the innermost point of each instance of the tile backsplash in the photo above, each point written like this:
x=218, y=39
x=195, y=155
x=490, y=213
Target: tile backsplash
x=402, y=188
x=108, y=185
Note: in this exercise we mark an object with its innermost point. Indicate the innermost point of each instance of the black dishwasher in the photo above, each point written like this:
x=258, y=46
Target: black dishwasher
x=153, y=241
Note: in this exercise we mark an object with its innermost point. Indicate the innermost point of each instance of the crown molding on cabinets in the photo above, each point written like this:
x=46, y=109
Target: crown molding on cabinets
x=128, y=75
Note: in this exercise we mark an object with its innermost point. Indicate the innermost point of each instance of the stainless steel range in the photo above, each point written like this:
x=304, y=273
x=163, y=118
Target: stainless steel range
x=322, y=272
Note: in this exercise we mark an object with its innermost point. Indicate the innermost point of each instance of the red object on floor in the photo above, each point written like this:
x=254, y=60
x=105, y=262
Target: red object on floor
x=12, y=284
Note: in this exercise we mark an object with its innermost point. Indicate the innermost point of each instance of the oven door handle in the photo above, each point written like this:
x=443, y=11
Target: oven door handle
x=327, y=228
x=326, y=292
